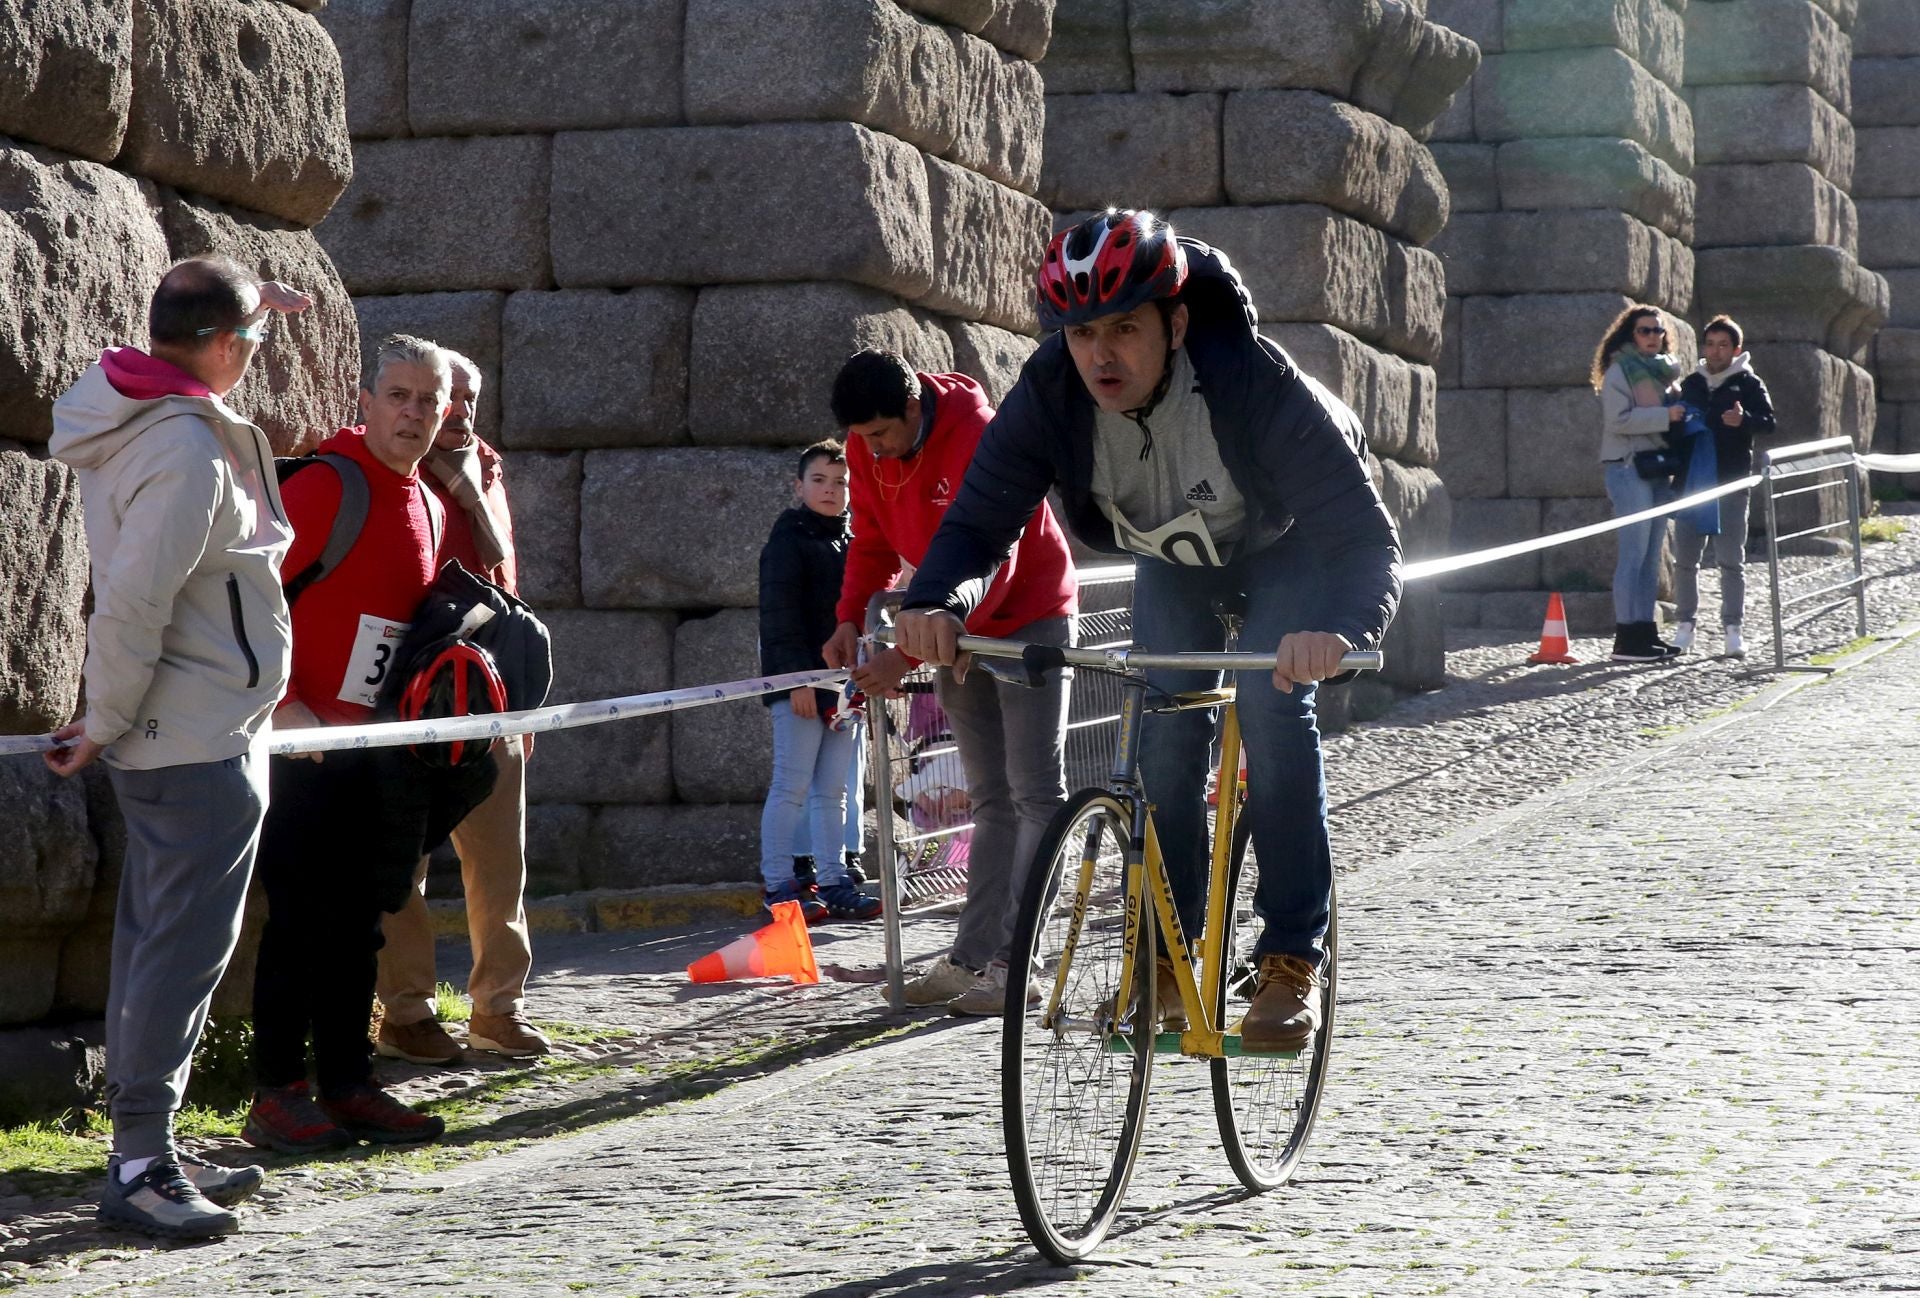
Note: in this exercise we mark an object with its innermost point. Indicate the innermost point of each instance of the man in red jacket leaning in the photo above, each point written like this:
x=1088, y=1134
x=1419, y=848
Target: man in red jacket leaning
x=910, y=439
x=469, y=479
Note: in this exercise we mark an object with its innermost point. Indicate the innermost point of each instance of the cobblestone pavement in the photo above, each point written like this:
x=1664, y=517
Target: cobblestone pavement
x=1655, y=1030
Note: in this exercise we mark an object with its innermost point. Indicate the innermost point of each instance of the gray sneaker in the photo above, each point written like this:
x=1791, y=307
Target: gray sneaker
x=987, y=998
x=161, y=1201
x=224, y=1186
x=939, y=984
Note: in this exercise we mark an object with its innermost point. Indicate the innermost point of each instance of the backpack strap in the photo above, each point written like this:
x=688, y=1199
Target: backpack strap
x=348, y=520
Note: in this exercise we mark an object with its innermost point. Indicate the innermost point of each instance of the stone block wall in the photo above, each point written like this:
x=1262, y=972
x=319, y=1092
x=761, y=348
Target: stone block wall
x=1568, y=157
x=1886, y=187
x=659, y=226
x=132, y=133
x=1778, y=232
x=1291, y=135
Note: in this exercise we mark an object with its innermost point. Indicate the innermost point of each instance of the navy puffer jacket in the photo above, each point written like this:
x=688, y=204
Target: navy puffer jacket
x=1294, y=450
x=800, y=569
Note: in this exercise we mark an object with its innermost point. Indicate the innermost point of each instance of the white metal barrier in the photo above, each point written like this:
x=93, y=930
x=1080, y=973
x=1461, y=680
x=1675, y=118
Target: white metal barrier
x=1818, y=467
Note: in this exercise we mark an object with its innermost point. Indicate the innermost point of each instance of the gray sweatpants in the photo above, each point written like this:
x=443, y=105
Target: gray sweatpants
x=191, y=835
x=1729, y=554
x=1012, y=741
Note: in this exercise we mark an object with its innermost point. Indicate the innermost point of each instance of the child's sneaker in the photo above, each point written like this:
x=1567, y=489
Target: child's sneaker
x=844, y=901
x=812, y=909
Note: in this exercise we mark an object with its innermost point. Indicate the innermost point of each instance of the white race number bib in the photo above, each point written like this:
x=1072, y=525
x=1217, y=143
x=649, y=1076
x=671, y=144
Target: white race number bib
x=372, y=657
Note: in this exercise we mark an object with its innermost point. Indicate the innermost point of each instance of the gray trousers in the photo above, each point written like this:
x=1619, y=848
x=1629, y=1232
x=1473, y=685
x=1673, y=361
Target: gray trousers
x=191, y=836
x=1729, y=554
x=1012, y=741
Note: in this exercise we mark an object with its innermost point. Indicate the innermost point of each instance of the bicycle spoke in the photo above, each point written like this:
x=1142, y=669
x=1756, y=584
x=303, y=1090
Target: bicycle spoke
x=1072, y=1103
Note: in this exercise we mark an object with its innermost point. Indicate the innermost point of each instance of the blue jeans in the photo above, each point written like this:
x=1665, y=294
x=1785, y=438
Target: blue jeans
x=810, y=765
x=1636, y=574
x=1286, y=788
x=855, y=839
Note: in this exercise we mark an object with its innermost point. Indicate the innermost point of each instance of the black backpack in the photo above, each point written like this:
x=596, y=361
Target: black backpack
x=467, y=606
x=347, y=520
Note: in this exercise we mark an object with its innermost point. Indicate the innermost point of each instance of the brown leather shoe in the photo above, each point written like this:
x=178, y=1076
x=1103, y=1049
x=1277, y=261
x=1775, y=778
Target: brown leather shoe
x=1173, y=1011
x=506, y=1034
x=1286, y=1006
x=425, y=1042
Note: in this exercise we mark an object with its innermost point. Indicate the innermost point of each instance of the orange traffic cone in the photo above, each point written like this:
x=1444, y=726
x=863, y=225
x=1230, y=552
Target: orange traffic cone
x=1553, y=636
x=782, y=947
x=1213, y=794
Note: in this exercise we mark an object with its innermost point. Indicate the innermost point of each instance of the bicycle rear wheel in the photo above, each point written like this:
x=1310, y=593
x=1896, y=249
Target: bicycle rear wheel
x=1265, y=1104
x=1073, y=1086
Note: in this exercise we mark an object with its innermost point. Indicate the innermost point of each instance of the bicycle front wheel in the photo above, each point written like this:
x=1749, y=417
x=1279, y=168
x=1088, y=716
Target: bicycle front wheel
x=1265, y=1104
x=1073, y=1072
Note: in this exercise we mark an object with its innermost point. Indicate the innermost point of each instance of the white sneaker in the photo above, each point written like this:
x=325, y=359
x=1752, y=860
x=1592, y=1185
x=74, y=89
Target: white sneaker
x=939, y=984
x=1683, y=636
x=1736, y=647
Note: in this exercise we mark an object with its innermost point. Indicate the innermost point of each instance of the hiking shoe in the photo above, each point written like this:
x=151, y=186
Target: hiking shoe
x=1286, y=1006
x=812, y=909
x=370, y=1114
x=943, y=981
x=1683, y=636
x=224, y=1186
x=425, y=1042
x=1736, y=647
x=987, y=998
x=507, y=1034
x=845, y=901
x=162, y=1202
x=286, y=1118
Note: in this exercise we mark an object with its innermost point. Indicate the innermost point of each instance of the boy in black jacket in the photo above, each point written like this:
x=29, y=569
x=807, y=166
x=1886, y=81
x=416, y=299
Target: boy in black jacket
x=800, y=570
x=1737, y=407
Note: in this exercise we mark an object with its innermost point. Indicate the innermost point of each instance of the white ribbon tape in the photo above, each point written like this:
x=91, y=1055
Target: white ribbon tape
x=565, y=716
x=1454, y=562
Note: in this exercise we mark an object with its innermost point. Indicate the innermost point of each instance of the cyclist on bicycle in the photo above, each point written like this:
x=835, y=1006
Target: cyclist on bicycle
x=1174, y=431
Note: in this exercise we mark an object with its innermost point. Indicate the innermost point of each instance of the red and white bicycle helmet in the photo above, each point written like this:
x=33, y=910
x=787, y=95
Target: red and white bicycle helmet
x=1106, y=265
x=456, y=678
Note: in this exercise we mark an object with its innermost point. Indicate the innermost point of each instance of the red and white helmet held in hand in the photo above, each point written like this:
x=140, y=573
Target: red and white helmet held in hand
x=1108, y=265
x=456, y=678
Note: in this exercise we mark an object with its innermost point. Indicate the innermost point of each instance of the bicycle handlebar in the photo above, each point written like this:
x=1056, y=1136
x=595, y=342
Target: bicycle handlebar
x=1039, y=657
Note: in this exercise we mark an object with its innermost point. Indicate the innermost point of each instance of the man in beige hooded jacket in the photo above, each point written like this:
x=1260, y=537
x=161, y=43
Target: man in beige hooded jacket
x=187, y=654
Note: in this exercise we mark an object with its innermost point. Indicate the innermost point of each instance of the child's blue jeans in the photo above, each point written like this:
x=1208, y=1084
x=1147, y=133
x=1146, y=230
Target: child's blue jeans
x=810, y=765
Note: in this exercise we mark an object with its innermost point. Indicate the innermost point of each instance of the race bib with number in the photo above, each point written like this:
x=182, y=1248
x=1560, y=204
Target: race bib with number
x=372, y=657
x=1185, y=541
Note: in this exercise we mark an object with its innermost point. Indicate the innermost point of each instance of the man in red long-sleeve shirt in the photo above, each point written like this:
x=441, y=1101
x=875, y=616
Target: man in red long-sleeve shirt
x=910, y=439
x=469, y=479
x=345, y=829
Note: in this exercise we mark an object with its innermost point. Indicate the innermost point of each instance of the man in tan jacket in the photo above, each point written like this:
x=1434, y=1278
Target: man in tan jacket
x=470, y=479
x=188, y=649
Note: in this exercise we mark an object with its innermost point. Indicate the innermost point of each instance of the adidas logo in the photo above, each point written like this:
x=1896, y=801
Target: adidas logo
x=1202, y=490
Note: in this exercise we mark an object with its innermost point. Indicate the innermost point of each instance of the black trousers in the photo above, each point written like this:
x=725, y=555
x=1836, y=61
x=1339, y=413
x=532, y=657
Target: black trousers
x=339, y=847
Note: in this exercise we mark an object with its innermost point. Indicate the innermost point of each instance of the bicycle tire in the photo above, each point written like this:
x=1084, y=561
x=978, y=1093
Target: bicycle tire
x=1073, y=1096
x=1266, y=1104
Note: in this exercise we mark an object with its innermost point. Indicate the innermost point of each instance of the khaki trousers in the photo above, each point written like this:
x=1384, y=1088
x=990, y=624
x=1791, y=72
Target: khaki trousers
x=492, y=843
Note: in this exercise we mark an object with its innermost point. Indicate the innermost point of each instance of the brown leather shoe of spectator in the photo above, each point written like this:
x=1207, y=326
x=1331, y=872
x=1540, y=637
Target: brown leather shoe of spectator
x=425, y=1042
x=1286, y=1006
x=506, y=1034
